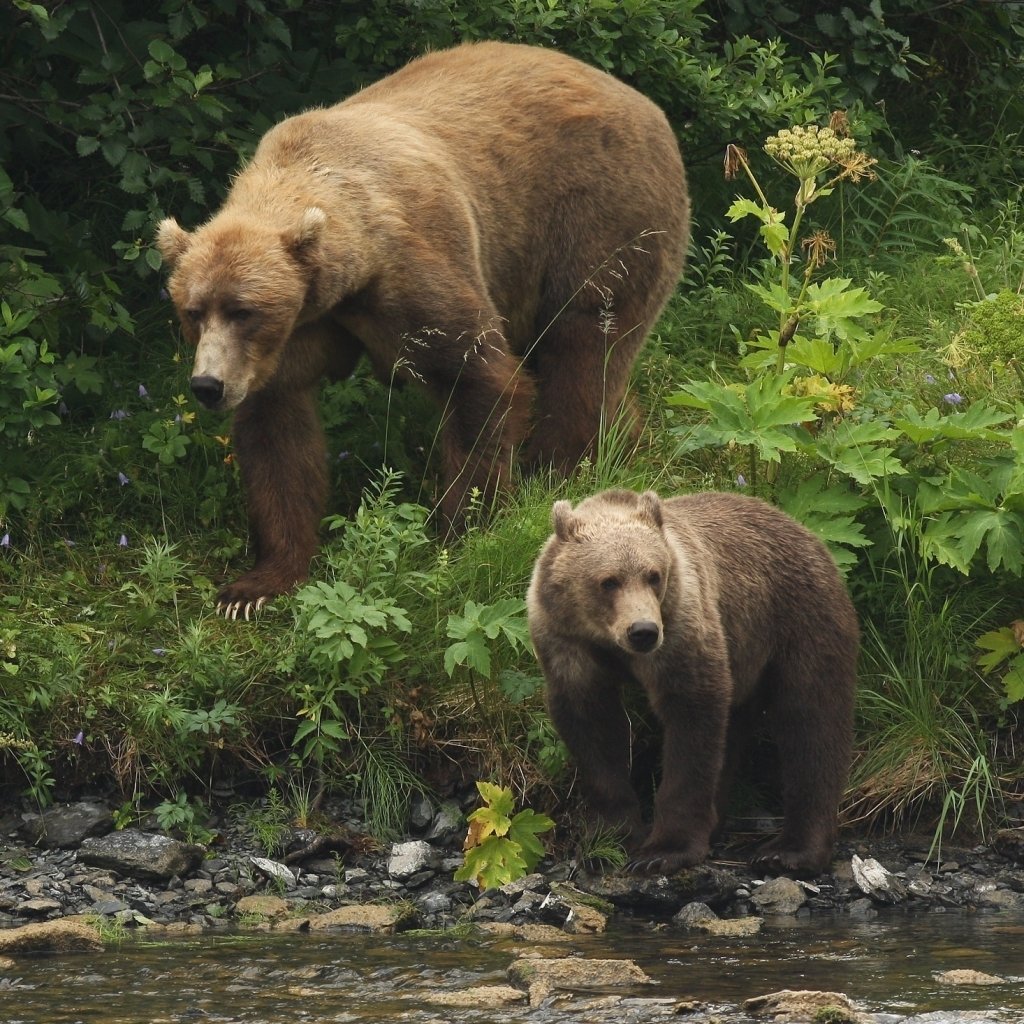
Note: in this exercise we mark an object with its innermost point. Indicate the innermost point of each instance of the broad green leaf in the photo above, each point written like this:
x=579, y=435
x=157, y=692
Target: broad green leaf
x=1013, y=681
x=525, y=828
x=493, y=863
x=999, y=644
x=499, y=798
x=773, y=295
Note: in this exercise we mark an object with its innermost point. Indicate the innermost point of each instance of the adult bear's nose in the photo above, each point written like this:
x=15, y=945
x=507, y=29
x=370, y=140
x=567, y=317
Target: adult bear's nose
x=643, y=635
x=209, y=390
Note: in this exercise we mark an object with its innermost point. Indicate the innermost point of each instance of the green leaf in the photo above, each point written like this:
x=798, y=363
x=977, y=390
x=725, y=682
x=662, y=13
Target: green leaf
x=524, y=829
x=1013, y=681
x=498, y=798
x=492, y=864
x=999, y=644
x=161, y=51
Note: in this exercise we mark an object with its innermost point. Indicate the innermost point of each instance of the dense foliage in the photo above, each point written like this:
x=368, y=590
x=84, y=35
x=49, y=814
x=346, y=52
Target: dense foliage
x=872, y=386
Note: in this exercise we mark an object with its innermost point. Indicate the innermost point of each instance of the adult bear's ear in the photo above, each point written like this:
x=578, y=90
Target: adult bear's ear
x=172, y=241
x=564, y=522
x=304, y=238
x=649, y=508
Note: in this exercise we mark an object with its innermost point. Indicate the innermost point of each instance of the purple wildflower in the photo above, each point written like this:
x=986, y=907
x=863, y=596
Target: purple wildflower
x=119, y=414
x=741, y=480
x=123, y=542
x=5, y=541
x=929, y=378
x=159, y=651
x=143, y=393
x=953, y=398
x=122, y=479
x=80, y=738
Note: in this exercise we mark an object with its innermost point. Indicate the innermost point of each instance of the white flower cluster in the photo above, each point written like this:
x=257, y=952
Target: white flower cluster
x=807, y=149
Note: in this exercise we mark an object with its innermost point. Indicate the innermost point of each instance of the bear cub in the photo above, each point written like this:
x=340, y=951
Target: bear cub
x=725, y=611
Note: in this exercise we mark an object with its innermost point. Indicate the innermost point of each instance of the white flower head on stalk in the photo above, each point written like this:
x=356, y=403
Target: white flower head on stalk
x=806, y=151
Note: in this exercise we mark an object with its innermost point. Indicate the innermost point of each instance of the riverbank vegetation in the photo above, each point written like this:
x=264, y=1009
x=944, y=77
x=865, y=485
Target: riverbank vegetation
x=847, y=343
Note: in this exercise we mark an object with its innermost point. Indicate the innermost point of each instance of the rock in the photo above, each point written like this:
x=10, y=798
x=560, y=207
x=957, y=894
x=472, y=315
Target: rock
x=541, y=976
x=108, y=907
x=409, y=859
x=1009, y=843
x=65, y=827
x=481, y=997
x=877, y=881
x=262, y=905
x=37, y=907
x=584, y=920
x=421, y=812
x=448, y=823
x=663, y=895
x=275, y=871
x=141, y=854
x=371, y=917
x=533, y=934
x=780, y=896
x=693, y=915
x=965, y=976
x=799, y=1007
x=68, y=935
x=700, y=917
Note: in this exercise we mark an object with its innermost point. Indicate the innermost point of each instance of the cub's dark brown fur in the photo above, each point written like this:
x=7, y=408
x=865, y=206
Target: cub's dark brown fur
x=721, y=608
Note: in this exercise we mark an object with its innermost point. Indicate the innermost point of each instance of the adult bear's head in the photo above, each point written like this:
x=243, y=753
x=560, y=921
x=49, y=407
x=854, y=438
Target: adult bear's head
x=239, y=287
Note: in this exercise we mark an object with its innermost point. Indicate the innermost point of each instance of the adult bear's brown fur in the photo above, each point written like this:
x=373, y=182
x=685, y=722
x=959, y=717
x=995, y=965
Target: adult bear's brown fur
x=483, y=208
x=721, y=608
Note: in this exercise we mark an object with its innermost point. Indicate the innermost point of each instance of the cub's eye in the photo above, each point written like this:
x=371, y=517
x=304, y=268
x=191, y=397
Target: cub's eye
x=240, y=314
x=610, y=583
x=193, y=314
x=654, y=579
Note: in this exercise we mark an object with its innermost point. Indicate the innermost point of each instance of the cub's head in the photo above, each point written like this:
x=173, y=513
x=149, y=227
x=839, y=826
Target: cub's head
x=239, y=287
x=610, y=565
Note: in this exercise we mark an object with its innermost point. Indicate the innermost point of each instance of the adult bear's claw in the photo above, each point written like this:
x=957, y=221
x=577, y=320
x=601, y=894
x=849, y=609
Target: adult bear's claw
x=247, y=609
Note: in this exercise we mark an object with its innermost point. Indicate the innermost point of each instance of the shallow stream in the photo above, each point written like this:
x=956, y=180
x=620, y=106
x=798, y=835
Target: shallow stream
x=886, y=964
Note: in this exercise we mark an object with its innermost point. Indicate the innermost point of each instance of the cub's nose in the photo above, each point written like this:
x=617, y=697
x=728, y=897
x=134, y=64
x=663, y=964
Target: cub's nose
x=209, y=390
x=643, y=636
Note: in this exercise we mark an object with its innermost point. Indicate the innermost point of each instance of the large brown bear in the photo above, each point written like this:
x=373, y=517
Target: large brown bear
x=501, y=223
x=723, y=609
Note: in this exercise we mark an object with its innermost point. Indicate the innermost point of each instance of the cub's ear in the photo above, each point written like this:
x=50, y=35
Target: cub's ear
x=565, y=523
x=172, y=241
x=649, y=509
x=305, y=236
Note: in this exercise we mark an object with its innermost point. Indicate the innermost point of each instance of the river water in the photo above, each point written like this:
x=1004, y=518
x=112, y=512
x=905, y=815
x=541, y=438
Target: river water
x=886, y=964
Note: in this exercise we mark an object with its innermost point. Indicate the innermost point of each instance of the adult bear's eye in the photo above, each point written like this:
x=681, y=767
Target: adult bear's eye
x=610, y=583
x=193, y=314
x=240, y=314
x=654, y=579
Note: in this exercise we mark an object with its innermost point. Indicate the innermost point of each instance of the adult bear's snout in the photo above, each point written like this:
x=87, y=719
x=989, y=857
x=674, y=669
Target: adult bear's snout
x=643, y=635
x=209, y=390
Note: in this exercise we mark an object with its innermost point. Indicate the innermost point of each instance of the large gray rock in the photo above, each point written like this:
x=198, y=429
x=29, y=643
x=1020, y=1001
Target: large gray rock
x=408, y=859
x=141, y=854
x=68, y=825
x=780, y=896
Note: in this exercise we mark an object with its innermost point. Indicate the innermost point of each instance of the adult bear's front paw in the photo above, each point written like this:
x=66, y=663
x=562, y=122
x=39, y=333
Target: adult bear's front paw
x=666, y=862
x=246, y=596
